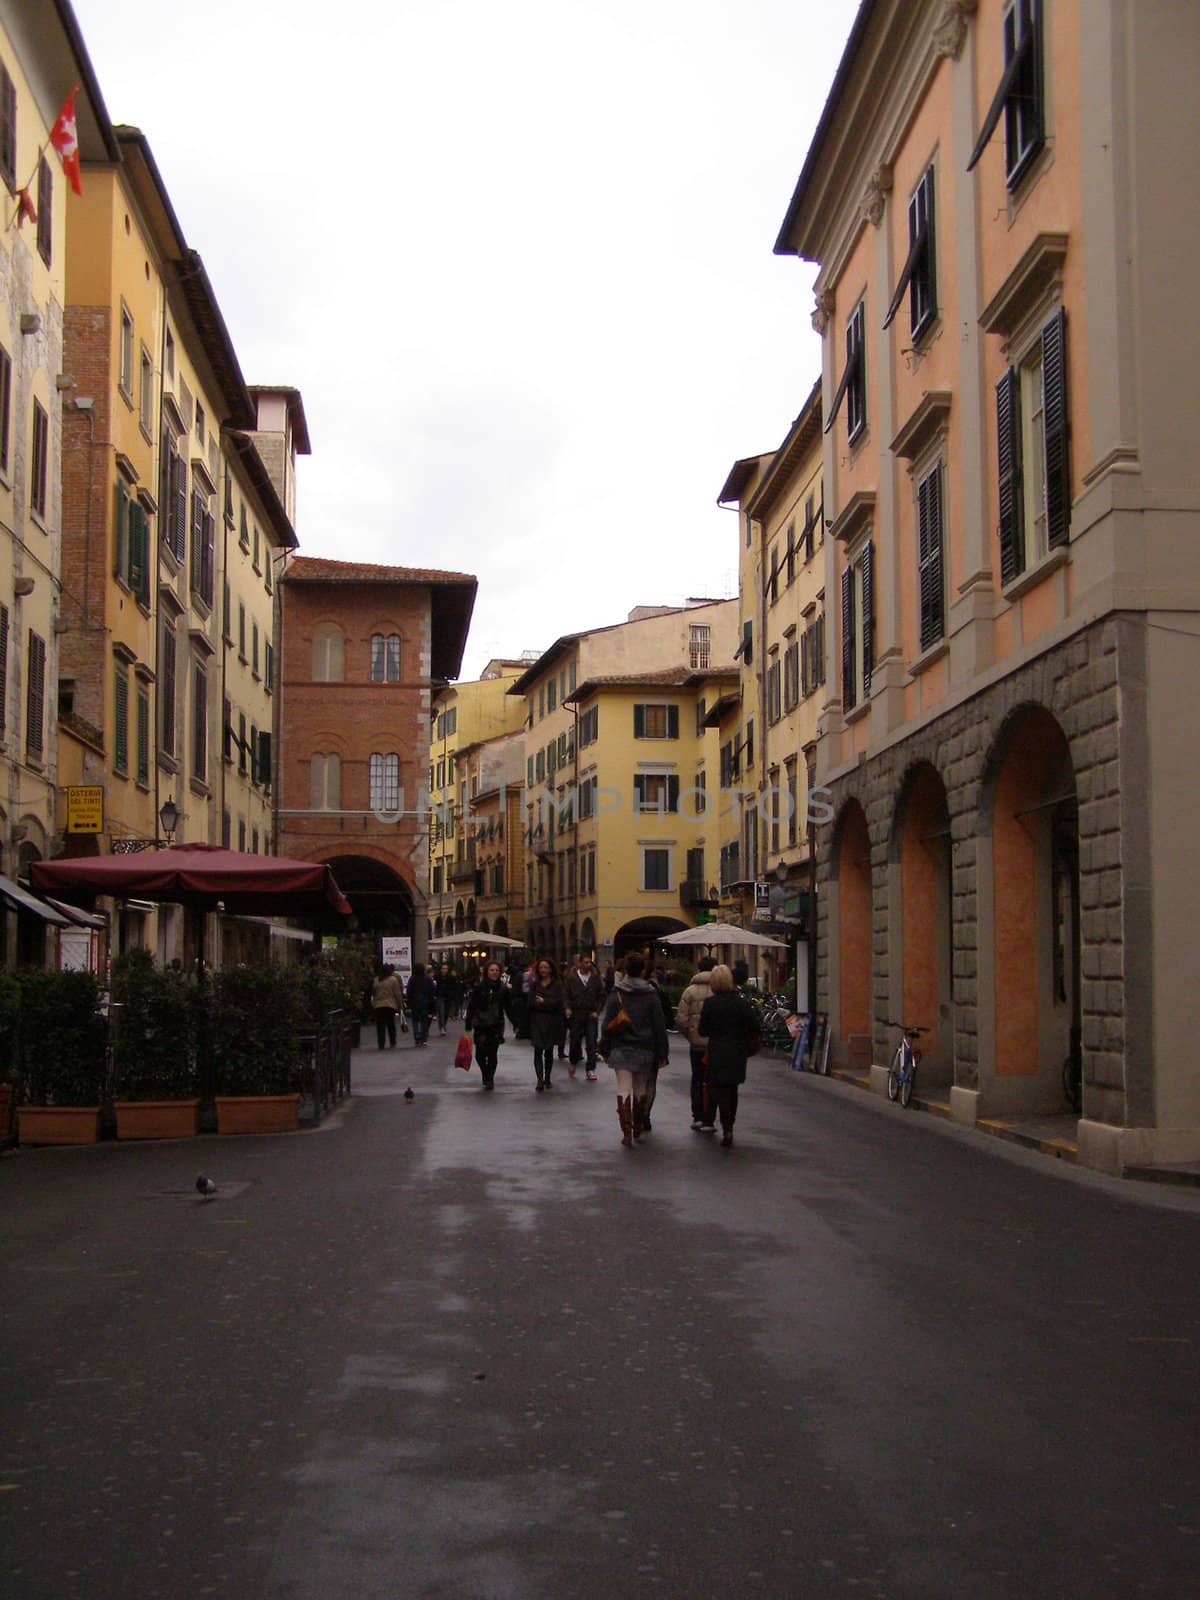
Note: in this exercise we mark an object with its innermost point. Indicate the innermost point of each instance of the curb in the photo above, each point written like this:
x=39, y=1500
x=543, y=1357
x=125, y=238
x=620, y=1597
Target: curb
x=1061, y=1149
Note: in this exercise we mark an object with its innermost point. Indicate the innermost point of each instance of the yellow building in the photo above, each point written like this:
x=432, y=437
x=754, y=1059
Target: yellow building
x=40, y=59
x=782, y=522
x=464, y=716
x=171, y=532
x=591, y=872
x=496, y=793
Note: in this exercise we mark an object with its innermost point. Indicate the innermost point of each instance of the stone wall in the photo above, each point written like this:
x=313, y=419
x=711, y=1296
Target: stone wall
x=1080, y=683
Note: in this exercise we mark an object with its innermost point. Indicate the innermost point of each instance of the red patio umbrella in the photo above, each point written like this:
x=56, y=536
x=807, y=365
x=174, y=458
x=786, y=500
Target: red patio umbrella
x=198, y=875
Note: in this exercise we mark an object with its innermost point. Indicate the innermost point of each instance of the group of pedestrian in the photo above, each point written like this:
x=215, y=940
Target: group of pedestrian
x=620, y=1017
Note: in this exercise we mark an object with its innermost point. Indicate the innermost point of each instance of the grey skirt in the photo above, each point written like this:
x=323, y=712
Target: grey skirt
x=632, y=1058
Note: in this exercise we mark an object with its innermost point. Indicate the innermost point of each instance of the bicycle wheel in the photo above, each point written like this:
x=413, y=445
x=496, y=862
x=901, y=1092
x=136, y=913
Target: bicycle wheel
x=895, y=1074
x=907, y=1082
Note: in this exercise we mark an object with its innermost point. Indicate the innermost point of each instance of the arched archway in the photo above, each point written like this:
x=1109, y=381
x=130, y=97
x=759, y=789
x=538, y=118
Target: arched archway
x=502, y=927
x=587, y=936
x=436, y=932
x=921, y=910
x=459, y=925
x=1029, y=810
x=381, y=898
x=852, y=869
x=642, y=932
x=470, y=922
x=483, y=926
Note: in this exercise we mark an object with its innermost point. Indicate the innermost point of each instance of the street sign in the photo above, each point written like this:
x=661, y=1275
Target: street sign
x=85, y=809
x=762, y=900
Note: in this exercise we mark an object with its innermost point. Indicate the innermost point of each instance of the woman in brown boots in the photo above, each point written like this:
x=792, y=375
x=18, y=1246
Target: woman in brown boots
x=633, y=1040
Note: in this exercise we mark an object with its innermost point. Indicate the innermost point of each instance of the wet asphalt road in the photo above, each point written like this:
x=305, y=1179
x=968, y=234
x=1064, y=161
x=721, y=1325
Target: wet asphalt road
x=467, y=1348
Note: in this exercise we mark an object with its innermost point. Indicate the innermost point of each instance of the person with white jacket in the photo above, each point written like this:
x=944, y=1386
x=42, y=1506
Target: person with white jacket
x=687, y=1021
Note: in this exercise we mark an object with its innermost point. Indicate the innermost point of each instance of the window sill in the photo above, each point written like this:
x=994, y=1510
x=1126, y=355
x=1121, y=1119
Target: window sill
x=126, y=395
x=257, y=677
x=145, y=431
x=198, y=786
x=1032, y=576
x=39, y=517
x=167, y=763
x=934, y=652
x=856, y=713
x=172, y=560
x=117, y=773
x=144, y=785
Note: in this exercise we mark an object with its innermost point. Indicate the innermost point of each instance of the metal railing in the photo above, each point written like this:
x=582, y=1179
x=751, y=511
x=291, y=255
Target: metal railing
x=325, y=1066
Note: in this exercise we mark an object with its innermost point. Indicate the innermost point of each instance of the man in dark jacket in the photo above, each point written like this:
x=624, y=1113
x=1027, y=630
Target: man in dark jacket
x=585, y=1001
x=422, y=997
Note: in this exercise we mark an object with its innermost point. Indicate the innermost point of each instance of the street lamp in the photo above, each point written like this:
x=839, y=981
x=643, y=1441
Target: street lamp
x=168, y=816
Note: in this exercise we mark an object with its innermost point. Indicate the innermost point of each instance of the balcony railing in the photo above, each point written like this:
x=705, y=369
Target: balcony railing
x=693, y=893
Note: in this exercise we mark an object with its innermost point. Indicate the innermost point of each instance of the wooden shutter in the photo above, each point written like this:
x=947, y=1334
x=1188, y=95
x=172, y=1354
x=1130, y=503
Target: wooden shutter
x=639, y=722
x=143, y=736
x=8, y=128
x=999, y=100
x=867, y=564
x=45, y=210
x=805, y=670
x=168, y=692
x=639, y=791
x=139, y=551
x=849, y=687
x=121, y=531
x=818, y=651
x=1012, y=504
x=929, y=558
x=673, y=792
x=179, y=473
x=3, y=668
x=1054, y=399
x=208, y=556
x=35, y=697
x=672, y=722
x=121, y=723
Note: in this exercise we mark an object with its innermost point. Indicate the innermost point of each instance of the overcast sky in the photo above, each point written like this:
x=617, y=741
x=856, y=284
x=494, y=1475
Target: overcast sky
x=517, y=258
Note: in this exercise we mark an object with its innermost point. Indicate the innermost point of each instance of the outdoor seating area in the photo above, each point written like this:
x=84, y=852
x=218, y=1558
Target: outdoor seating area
x=165, y=1054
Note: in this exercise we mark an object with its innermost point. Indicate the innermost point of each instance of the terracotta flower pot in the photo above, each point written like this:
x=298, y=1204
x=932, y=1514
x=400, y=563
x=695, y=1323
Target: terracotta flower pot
x=59, y=1124
x=258, y=1113
x=157, y=1119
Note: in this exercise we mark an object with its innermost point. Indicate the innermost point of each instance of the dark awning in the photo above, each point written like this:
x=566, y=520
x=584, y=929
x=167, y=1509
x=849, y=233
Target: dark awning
x=24, y=901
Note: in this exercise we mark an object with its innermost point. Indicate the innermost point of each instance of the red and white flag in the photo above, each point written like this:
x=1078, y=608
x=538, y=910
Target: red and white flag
x=65, y=139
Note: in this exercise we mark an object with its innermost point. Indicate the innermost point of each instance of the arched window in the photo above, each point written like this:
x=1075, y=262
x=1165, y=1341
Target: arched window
x=326, y=783
x=385, y=782
x=385, y=658
x=328, y=659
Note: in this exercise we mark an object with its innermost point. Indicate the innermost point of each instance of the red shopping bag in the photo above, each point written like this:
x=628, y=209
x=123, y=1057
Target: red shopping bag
x=462, y=1056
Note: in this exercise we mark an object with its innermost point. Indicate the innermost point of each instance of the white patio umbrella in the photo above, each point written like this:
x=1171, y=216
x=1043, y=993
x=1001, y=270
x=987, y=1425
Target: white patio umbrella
x=722, y=933
x=476, y=941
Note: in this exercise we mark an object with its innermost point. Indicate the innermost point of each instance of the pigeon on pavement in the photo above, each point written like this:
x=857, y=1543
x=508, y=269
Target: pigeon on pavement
x=206, y=1187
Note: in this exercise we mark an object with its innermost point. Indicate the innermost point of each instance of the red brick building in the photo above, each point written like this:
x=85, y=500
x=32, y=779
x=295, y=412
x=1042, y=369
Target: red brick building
x=361, y=647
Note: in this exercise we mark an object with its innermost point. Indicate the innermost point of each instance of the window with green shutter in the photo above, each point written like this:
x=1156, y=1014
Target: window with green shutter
x=121, y=722
x=143, y=737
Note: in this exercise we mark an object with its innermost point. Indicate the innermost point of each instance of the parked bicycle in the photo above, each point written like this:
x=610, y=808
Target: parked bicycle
x=902, y=1074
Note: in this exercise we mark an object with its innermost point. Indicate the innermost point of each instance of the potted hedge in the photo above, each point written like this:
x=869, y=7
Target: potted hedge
x=61, y=1048
x=255, y=1017
x=10, y=1014
x=154, y=1050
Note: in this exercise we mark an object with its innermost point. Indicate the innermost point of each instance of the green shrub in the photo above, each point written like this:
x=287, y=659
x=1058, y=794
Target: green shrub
x=10, y=1016
x=156, y=1030
x=254, y=1019
x=62, y=1038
